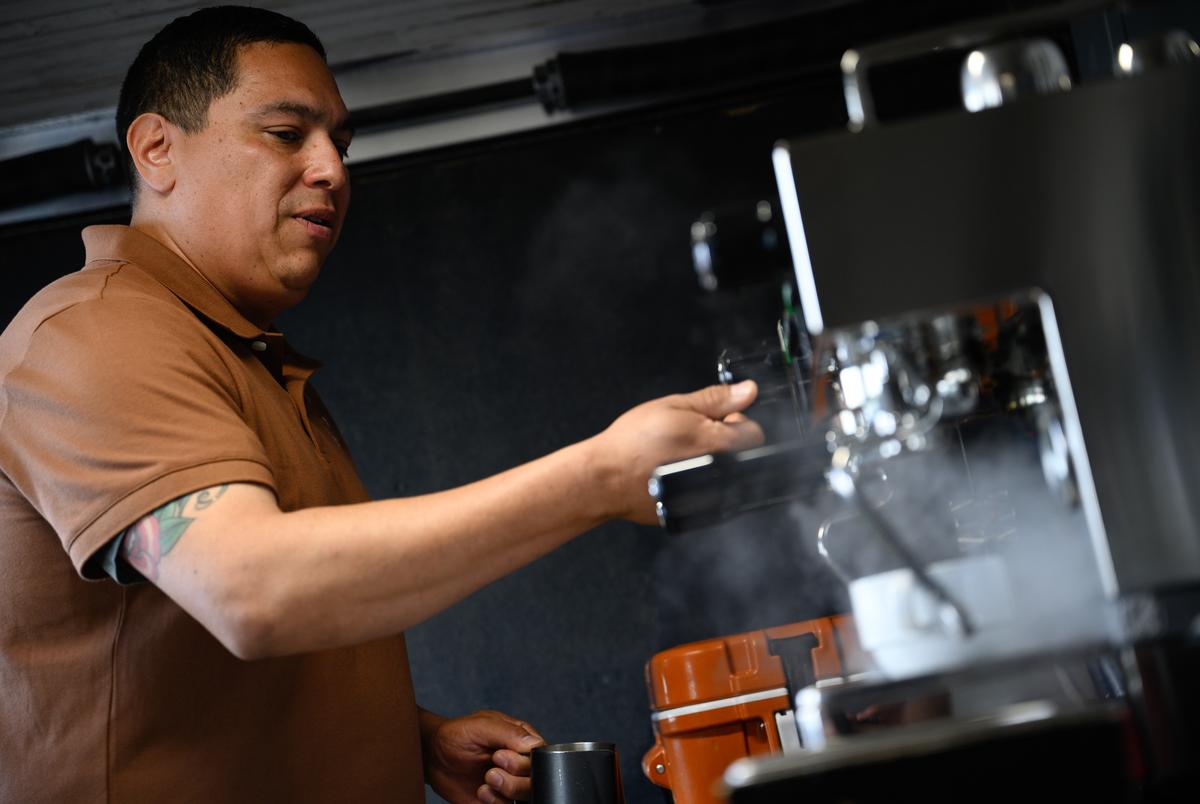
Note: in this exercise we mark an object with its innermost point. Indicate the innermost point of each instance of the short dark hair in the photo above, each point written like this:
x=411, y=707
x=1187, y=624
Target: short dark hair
x=193, y=61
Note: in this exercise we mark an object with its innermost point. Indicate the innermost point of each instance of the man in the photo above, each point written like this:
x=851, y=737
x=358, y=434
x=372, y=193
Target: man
x=155, y=426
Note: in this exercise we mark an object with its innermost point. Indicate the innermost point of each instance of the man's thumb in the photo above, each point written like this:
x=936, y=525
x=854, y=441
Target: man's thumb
x=526, y=741
x=718, y=401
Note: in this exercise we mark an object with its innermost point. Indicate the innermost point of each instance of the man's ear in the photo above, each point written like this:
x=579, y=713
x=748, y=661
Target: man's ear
x=150, y=139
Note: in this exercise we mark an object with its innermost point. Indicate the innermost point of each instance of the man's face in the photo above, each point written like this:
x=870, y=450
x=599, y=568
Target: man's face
x=261, y=191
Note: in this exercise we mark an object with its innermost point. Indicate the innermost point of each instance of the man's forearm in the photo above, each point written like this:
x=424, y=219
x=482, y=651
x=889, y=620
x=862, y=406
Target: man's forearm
x=394, y=563
x=330, y=576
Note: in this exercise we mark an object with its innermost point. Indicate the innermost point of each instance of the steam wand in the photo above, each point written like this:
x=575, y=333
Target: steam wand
x=843, y=483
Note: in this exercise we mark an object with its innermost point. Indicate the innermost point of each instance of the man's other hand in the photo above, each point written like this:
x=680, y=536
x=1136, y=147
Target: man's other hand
x=481, y=757
x=665, y=430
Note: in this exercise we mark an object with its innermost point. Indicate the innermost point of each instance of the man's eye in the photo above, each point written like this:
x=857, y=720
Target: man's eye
x=286, y=135
x=343, y=150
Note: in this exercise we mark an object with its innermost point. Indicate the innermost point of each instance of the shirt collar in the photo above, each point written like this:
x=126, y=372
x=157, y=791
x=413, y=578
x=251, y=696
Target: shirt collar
x=127, y=244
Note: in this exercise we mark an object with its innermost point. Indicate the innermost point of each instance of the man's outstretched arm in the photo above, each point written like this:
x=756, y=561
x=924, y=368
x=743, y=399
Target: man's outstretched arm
x=269, y=583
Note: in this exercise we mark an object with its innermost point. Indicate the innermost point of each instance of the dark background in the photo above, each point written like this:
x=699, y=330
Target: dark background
x=487, y=305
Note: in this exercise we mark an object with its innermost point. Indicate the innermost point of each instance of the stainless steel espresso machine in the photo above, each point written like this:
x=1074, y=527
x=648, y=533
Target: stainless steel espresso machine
x=993, y=366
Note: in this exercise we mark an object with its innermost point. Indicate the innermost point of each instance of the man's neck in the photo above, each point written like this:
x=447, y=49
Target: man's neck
x=151, y=227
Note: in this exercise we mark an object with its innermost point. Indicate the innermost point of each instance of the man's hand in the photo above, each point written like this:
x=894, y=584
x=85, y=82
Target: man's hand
x=670, y=429
x=481, y=757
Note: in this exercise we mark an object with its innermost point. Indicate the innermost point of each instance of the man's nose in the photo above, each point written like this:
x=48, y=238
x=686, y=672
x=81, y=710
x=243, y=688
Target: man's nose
x=325, y=167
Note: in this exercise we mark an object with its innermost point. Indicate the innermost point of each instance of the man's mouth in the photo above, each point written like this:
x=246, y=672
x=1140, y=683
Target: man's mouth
x=318, y=224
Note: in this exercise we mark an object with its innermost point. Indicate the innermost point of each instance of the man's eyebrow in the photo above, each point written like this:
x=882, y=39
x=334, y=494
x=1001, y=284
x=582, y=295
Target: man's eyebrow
x=306, y=112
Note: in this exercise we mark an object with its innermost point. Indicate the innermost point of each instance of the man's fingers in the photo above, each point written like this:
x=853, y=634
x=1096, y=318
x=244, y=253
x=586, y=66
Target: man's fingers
x=529, y=738
x=741, y=434
x=525, y=739
x=718, y=401
x=499, y=730
x=503, y=716
x=511, y=761
x=506, y=785
x=487, y=795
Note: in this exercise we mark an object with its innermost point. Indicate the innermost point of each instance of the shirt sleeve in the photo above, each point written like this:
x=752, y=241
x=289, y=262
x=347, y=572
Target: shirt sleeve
x=118, y=406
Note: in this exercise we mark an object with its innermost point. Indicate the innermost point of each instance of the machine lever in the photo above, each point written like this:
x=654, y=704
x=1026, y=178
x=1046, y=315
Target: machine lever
x=703, y=491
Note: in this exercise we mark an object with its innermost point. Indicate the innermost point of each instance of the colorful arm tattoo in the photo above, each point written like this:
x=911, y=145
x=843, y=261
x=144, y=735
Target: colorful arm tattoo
x=153, y=536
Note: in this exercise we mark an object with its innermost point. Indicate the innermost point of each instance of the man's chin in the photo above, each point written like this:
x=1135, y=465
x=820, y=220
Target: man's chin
x=295, y=281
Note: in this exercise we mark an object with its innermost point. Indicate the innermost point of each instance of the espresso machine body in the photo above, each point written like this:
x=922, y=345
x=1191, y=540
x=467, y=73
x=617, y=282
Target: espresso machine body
x=1092, y=197
x=992, y=358
x=1068, y=221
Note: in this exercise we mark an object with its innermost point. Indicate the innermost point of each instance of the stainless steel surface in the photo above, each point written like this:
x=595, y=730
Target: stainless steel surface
x=1090, y=197
x=858, y=63
x=1032, y=749
x=576, y=773
x=838, y=710
x=567, y=748
x=949, y=451
x=1155, y=51
x=998, y=74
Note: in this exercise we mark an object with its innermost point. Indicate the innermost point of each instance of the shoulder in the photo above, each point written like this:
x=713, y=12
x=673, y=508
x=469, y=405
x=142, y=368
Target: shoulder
x=108, y=327
x=106, y=305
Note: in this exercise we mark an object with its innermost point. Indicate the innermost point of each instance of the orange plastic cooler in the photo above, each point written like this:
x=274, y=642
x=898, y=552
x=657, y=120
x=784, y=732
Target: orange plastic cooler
x=716, y=701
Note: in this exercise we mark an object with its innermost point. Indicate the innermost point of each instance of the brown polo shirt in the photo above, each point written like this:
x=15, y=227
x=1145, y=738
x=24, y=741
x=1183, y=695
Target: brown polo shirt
x=122, y=387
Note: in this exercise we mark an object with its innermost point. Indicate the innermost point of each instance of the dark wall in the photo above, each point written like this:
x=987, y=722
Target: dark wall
x=490, y=304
